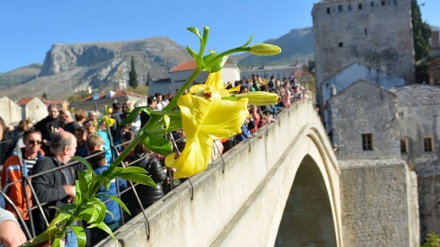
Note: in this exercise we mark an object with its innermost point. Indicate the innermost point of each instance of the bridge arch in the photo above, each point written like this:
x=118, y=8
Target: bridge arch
x=240, y=199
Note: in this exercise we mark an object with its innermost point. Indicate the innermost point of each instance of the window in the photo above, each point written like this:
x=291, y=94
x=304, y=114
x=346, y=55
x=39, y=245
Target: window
x=349, y=7
x=403, y=146
x=383, y=3
x=428, y=144
x=372, y=4
x=360, y=6
x=340, y=8
x=367, y=142
x=341, y=44
x=328, y=10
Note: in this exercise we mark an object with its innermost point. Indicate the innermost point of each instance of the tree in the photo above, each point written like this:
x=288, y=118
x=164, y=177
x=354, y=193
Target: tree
x=133, y=81
x=148, y=79
x=421, y=32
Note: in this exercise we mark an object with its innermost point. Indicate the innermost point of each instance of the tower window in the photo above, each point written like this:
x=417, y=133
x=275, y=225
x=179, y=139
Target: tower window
x=340, y=44
x=328, y=10
x=383, y=3
x=372, y=4
x=340, y=8
x=428, y=144
x=367, y=142
x=403, y=146
x=360, y=6
x=349, y=7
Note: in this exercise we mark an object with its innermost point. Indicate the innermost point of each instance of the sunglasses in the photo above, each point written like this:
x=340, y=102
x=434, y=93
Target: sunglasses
x=35, y=142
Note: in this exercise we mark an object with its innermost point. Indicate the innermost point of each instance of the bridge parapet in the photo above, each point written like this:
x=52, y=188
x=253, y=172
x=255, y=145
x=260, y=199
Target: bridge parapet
x=241, y=202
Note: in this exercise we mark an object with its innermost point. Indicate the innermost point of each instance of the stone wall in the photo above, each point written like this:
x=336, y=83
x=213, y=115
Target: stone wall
x=364, y=108
x=379, y=205
x=429, y=202
x=376, y=35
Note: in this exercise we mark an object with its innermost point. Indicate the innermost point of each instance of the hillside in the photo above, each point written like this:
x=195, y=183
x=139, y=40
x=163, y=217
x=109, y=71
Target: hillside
x=102, y=65
x=296, y=46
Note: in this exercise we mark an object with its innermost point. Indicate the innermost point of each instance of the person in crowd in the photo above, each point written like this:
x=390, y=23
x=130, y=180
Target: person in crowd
x=69, y=124
x=10, y=231
x=159, y=105
x=256, y=116
x=104, y=135
x=92, y=116
x=80, y=116
x=248, y=124
x=152, y=103
x=57, y=187
x=48, y=126
x=119, y=116
x=99, y=163
x=15, y=170
x=81, y=137
x=23, y=125
x=272, y=83
x=136, y=124
x=142, y=157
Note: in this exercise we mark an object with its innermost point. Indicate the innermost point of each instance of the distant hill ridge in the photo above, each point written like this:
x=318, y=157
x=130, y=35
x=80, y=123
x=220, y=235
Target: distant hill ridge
x=100, y=65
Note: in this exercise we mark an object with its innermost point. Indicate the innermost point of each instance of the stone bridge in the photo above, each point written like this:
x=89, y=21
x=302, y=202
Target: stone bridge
x=282, y=186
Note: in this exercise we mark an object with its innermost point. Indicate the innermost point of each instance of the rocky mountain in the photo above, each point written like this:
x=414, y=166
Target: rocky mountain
x=69, y=67
x=296, y=46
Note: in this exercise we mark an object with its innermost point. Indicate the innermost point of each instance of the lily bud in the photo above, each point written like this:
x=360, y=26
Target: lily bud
x=265, y=49
x=259, y=98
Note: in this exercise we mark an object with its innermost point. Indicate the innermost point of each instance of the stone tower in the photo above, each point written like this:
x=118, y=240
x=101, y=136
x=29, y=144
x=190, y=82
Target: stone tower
x=374, y=33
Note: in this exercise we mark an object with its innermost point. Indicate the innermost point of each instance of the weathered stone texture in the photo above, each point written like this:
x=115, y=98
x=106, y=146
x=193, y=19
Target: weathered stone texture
x=419, y=113
x=378, y=36
x=364, y=108
x=429, y=202
x=378, y=204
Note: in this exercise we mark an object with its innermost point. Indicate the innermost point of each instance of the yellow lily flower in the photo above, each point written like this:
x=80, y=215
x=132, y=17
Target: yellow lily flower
x=214, y=87
x=204, y=120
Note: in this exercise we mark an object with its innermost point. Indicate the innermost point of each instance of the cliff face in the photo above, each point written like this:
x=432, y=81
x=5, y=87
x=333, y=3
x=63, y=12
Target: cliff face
x=66, y=57
x=100, y=65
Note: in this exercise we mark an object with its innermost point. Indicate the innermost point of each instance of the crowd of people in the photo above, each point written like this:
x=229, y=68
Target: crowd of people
x=38, y=173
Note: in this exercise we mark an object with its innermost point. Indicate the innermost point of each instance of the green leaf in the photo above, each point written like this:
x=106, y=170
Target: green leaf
x=139, y=178
x=83, y=186
x=89, y=214
x=195, y=31
x=129, y=170
x=199, y=61
x=121, y=203
x=214, y=62
x=80, y=235
x=38, y=239
x=156, y=143
x=78, y=196
x=132, y=116
x=68, y=207
x=106, y=229
x=83, y=161
x=249, y=40
x=175, y=123
x=101, y=209
x=106, y=181
x=62, y=216
x=56, y=242
x=166, y=120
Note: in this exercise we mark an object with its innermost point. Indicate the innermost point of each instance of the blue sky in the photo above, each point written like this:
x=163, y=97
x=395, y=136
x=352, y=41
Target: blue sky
x=29, y=28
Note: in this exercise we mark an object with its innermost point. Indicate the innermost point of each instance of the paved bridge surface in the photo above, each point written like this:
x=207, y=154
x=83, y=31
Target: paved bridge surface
x=281, y=187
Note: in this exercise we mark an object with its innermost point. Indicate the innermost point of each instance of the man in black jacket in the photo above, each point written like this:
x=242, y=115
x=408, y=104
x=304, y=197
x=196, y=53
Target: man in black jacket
x=57, y=188
x=49, y=125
